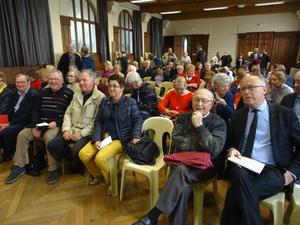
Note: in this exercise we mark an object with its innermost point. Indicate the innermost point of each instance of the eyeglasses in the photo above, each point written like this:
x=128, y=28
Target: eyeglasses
x=113, y=86
x=21, y=82
x=203, y=100
x=250, y=87
x=54, y=79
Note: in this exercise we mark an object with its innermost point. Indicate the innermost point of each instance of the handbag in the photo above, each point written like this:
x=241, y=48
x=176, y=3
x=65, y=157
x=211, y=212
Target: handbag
x=143, y=152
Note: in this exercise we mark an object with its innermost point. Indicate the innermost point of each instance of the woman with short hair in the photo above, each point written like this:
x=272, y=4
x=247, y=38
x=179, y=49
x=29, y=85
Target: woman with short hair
x=278, y=88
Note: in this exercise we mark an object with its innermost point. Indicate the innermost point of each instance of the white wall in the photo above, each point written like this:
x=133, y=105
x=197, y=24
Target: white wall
x=223, y=31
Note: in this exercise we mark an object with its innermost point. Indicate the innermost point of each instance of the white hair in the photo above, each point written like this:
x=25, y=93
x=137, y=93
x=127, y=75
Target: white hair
x=132, y=77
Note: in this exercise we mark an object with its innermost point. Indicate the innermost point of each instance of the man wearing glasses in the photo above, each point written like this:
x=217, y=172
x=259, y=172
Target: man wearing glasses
x=266, y=133
x=19, y=115
x=201, y=131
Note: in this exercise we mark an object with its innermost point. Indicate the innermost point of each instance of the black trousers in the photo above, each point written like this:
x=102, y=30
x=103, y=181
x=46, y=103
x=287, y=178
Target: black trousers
x=247, y=190
x=59, y=149
x=8, y=139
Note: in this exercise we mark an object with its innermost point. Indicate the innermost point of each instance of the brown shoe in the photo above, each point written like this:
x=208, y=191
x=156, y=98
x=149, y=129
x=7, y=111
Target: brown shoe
x=94, y=181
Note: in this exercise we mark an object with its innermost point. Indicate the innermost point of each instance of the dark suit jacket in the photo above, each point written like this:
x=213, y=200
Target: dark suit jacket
x=23, y=115
x=289, y=100
x=64, y=63
x=285, y=133
x=4, y=100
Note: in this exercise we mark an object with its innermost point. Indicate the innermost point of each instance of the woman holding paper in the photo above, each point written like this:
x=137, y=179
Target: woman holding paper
x=118, y=117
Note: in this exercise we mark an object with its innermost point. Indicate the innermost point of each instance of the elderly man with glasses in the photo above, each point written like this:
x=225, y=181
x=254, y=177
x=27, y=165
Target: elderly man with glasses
x=200, y=131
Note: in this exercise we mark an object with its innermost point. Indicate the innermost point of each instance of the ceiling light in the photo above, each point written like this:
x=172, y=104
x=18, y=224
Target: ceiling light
x=215, y=8
x=269, y=3
x=142, y=1
x=170, y=12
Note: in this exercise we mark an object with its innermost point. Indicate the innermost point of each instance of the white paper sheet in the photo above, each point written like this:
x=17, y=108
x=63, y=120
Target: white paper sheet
x=248, y=163
x=106, y=141
x=44, y=124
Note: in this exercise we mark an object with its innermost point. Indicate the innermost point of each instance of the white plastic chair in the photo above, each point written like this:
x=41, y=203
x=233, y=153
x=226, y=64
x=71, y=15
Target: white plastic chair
x=276, y=204
x=294, y=207
x=113, y=172
x=198, y=189
x=160, y=125
x=167, y=85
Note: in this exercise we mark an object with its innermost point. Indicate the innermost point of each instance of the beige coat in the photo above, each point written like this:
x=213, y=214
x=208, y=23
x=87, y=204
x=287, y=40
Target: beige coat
x=79, y=117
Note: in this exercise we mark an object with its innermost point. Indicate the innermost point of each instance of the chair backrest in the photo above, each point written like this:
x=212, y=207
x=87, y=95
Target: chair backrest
x=167, y=85
x=147, y=78
x=151, y=82
x=161, y=126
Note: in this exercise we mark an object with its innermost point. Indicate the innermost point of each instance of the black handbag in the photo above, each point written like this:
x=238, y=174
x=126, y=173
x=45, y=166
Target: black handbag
x=143, y=152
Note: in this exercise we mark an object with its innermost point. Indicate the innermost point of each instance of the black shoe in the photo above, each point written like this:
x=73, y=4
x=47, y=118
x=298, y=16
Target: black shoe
x=144, y=221
x=54, y=176
x=15, y=173
x=31, y=171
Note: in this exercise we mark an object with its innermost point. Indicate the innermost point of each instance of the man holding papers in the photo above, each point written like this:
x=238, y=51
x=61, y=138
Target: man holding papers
x=200, y=131
x=266, y=133
x=48, y=112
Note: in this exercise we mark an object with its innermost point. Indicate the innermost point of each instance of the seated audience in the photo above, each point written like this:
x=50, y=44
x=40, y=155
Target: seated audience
x=278, y=87
x=177, y=100
x=122, y=60
x=73, y=80
x=69, y=58
x=168, y=56
x=78, y=123
x=144, y=94
x=51, y=108
x=226, y=59
x=170, y=71
x=192, y=79
x=200, y=131
x=239, y=61
x=185, y=59
x=35, y=79
x=215, y=61
x=87, y=62
x=236, y=89
x=117, y=70
x=292, y=100
x=146, y=71
x=159, y=76
x=179, y=72
x=208, y=81
x=131, y=68
x=266, y=133
x=103, y=85
x=119, y=117
x=5, y=94
x=224, y=99
x=19, y=115
x=108, y=70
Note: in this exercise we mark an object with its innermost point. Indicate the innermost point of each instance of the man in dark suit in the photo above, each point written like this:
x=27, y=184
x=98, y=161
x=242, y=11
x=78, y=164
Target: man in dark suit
x=20, y=107
x=293, y=100
x=69, y=58
x=266, y=133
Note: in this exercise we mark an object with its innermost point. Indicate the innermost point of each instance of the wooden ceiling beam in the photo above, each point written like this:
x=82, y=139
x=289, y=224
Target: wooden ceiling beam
x=249, y=10
x=190, y=6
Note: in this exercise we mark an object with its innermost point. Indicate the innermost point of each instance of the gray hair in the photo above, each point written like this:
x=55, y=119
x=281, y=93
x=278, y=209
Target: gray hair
x=179, y=67
x=132, y=77
x=56, y=71
x=222, y=79
x=92, y=75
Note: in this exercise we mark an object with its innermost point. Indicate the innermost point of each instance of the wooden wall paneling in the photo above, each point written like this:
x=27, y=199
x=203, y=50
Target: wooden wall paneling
x=285, y=48
x=147, y=38
x=10, y=72
x=251, y=41
x=198, y=40
x=265, y=41
x=242, y=48
x=65, y=31
x=168, y=43
x=178, y=46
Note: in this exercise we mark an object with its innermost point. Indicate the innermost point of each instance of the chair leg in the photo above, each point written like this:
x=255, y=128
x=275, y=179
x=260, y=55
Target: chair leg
x=153, y=188
x=122, y=183
x=113, y=161
x=198, y=204
x=215, y=190
x=278, y=210
x=294, y=217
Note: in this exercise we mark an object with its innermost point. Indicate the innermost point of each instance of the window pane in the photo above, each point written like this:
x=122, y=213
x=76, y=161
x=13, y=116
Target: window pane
x=126, y=20
x=93, y=34
x=130, y=43
x=73, y=37
x=129, y=23
x=92, y=18
x=77, y=9
x=123, y=41
x=70, y=8
x=79, y=34
x=85, y=10
x=87, y=35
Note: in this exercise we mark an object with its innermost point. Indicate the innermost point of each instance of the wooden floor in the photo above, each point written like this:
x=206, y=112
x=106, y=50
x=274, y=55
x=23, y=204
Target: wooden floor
x=31, y=201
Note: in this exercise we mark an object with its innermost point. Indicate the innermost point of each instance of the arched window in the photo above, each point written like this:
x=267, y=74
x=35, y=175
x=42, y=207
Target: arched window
x=125, y=32
x=79, y=25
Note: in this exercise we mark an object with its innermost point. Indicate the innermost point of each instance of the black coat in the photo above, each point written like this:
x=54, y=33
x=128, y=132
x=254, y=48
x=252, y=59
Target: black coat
x=4, y=100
